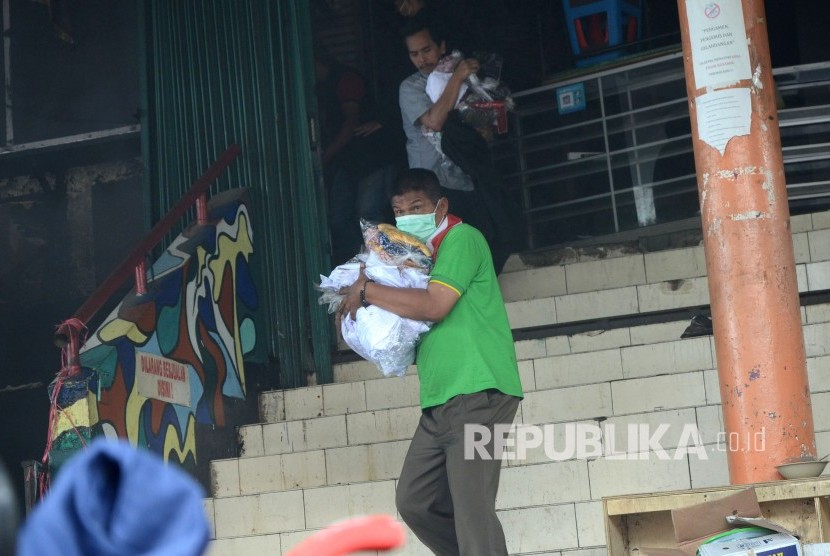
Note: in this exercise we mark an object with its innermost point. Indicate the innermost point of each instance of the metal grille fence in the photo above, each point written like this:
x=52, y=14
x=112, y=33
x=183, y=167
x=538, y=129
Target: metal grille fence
x=624, y=160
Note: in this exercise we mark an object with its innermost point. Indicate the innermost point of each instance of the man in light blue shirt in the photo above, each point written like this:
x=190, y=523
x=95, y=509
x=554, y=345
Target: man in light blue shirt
x=420, y=151
x=455, y=152
x=419, y=111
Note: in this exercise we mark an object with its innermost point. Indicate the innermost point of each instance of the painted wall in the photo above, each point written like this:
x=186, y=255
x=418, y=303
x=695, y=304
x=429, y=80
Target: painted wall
x=193, y=330
x=50, y=203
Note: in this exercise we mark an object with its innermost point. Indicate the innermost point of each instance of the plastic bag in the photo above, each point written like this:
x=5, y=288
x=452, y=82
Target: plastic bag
x=483, y=101
x=440, y=76
x=486, y=106
x=392, y=258
x=385, y=339
x=330, y=286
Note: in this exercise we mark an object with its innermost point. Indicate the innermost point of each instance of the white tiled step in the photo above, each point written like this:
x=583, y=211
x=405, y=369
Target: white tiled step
x=348, y=394
x=616, y=407
x=630, y=284
x=551, y=486
x=328, y=452
x=392, y=410
x=662, y=380
x=275, y=523
x=382, y=461
x=617, y=354
x=546, y=506
x=340, y=464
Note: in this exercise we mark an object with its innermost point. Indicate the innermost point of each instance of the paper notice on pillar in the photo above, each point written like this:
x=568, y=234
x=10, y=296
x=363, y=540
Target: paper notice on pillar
x=722, y=115
x=717, y=36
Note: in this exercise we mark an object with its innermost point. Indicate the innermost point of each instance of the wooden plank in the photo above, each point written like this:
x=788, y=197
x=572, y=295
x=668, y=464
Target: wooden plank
x=777, y=490
x=665, y=502
x=802, y=488
x=797, y=515
x=823, y=513
x=616, y=534
x=644, y=520
x=652, y=530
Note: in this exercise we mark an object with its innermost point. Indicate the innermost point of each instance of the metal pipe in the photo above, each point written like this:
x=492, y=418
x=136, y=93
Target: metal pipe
x=141, y=278
x=7, y=75
x=111, y=284
x=201, y=210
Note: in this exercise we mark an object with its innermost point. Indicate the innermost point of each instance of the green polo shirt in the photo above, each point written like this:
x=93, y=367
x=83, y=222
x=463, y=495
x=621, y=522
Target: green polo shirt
x=472, y=348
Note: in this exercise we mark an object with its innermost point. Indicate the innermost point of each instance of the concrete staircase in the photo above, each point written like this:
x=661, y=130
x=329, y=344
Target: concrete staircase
x=328, y=452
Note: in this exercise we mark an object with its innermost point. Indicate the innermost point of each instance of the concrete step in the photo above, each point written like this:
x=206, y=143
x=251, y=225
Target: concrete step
x=293, y=514
x=328, y=452
x=577, y=378
x=342, y=453
x=604, y=282
x=638, y=283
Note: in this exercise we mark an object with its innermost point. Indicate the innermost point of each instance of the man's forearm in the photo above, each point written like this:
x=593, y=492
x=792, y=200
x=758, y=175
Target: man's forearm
x=410, y=303
x=436, y=116
x=431, y=304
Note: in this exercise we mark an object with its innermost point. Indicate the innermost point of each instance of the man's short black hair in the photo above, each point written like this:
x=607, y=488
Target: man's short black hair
x=417, y=179
x=424, y=21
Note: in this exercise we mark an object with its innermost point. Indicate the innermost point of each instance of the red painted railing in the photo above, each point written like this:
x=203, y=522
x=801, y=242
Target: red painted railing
x=134, y=263
x=71, y=333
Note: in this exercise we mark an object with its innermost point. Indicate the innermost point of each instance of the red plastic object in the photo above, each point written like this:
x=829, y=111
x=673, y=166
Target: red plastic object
x=501, y=113
x=631, y=35
x=374, y=532
x=598, y=31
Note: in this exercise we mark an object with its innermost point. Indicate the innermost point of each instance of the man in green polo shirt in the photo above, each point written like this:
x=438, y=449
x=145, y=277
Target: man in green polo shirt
x=467, y=370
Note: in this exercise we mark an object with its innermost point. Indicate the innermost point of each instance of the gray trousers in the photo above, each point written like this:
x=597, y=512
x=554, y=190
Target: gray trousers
x=448, y=501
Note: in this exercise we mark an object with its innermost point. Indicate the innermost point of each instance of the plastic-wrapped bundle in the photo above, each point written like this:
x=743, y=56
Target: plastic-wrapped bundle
x=341, y=277
x=392, y=259
x=390, y=247
x=440, y=76
x=394, y=247
x=483, y=100
x=384, y=338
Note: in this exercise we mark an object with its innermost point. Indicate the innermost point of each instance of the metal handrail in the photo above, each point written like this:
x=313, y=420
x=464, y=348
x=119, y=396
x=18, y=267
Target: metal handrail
x=70, y=334
x=625, y=129
x=197, y=194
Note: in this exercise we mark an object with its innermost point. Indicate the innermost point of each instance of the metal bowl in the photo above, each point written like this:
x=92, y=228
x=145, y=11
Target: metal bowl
x=801, y=469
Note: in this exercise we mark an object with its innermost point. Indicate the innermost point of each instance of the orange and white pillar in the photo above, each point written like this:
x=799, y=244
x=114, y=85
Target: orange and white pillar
x=753, y=291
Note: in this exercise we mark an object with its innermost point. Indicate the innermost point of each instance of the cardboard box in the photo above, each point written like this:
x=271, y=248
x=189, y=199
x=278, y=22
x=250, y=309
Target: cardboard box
x=777, y=544
x=695, y=524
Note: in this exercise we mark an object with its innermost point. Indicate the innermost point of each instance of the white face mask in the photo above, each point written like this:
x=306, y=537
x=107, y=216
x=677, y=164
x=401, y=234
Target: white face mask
x=419, y=225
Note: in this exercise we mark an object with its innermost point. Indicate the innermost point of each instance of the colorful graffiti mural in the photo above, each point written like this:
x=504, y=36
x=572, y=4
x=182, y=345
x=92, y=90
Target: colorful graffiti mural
x=165, y=361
